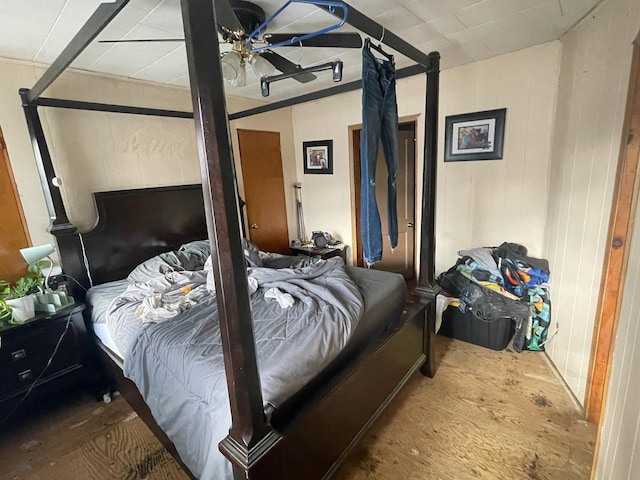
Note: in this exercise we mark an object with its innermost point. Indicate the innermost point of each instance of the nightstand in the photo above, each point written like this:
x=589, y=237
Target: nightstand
x=25, y=350
x=339, y=250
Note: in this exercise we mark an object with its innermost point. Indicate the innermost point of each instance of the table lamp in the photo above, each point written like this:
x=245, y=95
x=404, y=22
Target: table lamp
x=34, y=254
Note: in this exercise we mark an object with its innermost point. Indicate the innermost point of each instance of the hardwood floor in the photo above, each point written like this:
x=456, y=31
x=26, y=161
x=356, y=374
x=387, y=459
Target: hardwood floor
x=486, y=414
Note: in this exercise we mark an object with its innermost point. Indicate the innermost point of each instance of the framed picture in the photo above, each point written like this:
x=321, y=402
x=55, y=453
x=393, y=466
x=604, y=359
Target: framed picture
x=474, y=136
x=318, y=156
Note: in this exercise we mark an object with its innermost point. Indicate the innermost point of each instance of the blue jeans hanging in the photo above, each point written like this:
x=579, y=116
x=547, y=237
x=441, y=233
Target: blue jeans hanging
x=379, y=122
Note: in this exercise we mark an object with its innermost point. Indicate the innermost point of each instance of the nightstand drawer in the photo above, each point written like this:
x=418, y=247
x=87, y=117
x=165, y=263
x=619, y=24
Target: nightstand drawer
x=24, y=355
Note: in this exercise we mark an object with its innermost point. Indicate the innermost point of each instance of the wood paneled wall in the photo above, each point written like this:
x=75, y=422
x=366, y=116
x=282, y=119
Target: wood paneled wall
x=619, y=438
x=594, y=76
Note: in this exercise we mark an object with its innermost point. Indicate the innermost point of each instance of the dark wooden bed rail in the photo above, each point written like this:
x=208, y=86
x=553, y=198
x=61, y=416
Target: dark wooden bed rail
x=250, y=437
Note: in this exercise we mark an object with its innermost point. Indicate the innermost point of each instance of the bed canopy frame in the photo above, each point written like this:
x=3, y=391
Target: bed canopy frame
x=254, y=448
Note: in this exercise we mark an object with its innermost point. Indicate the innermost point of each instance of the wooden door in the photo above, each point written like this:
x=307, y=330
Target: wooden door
x=262, y=177
x=401, y=260
x=13, y=228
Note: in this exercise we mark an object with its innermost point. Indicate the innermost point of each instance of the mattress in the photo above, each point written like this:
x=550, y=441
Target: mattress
x=384, y=296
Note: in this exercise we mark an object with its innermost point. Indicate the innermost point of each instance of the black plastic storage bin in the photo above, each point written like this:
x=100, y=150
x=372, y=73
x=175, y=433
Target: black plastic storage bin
x=494, y=334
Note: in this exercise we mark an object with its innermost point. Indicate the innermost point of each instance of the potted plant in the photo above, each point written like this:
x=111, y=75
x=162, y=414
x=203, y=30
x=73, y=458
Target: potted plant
x=19, y=298
x=5, y=312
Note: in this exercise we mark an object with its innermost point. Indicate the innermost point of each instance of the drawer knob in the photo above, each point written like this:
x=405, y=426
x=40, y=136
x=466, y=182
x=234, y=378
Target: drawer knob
x=18, y=355
x=25, y=376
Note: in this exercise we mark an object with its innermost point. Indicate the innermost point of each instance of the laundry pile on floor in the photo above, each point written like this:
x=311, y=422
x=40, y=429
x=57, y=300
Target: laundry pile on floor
x=501, y=282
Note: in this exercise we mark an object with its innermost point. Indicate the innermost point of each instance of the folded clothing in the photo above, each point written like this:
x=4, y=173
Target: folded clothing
x=285, y=300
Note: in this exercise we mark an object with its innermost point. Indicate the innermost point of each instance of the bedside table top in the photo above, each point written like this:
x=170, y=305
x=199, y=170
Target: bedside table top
x=70, y=310
x=319, y=251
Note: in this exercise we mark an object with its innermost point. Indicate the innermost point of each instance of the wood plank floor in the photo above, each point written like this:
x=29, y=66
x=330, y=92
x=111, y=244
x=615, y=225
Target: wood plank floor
x=486, y=414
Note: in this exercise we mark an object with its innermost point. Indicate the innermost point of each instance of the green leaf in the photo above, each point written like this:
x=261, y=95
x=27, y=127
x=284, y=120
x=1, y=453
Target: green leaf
x=30, y=283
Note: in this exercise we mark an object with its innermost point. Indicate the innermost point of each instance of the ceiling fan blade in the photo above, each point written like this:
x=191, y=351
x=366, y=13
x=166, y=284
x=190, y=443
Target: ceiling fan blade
x=227, y=19
x=336, y=40
x=286, y=66
x=143, y=40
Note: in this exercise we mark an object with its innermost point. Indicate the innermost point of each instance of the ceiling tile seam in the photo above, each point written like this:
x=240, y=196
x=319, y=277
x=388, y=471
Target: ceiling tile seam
x=46, y=39
x=130, y=30
x=460, y=20
x=157, y=61
x=577, y=22
x=298, y=20
x=467, y=27
x=178, y=78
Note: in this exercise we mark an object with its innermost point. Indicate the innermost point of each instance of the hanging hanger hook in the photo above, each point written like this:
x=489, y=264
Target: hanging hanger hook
x=301, y=53
x=382, y=37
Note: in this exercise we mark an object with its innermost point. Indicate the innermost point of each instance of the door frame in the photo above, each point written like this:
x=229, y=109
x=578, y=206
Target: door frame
x=4, y=157
x=354, y=149
x=616, y=257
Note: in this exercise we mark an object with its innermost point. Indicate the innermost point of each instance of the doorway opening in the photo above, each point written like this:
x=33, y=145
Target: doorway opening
x=402, y=259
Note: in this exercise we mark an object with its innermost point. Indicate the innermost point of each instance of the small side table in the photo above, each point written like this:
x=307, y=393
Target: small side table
x=26, y=348
x=339, y=250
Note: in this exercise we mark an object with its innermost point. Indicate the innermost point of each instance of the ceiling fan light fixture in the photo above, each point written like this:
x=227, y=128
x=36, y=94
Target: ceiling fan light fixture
x=261, y=67
x=240, y=80
x=232, y=67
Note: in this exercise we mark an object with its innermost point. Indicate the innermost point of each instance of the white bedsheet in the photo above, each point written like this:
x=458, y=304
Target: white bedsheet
x=99, y=298
x=102, y=332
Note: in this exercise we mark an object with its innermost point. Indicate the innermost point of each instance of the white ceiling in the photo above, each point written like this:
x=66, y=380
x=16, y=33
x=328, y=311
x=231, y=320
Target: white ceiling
x=462, y=31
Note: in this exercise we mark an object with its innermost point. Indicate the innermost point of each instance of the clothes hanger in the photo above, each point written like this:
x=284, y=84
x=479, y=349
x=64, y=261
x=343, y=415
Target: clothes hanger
x=378, y=48
x=333, y=5
x=335, y=67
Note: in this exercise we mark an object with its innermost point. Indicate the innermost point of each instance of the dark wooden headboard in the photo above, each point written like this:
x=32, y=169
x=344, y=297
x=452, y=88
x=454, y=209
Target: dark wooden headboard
x=133, y=226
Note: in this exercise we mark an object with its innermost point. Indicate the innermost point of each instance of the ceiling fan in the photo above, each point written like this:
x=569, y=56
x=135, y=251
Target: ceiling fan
x=238, y=21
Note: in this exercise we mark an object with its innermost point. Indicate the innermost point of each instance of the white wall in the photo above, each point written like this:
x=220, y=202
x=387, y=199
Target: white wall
x=94, y=151
x=593, y=86
x=485, y=203
x=478, y=203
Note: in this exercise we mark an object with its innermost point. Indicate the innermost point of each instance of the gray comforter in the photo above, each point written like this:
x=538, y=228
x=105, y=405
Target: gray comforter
x=178, y=364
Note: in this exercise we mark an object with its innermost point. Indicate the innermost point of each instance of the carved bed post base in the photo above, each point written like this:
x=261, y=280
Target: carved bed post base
x=426, y=295
x=243, y=457
x=428, y=369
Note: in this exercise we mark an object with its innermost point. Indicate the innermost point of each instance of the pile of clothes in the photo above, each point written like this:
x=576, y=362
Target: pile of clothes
x=502, y=282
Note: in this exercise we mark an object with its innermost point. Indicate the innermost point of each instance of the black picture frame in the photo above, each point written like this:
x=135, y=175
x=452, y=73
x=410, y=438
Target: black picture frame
x=474, y=136
x=318, y=157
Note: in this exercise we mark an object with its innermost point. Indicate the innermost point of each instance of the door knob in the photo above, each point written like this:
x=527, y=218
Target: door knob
x=254, y=225
x=410, y=225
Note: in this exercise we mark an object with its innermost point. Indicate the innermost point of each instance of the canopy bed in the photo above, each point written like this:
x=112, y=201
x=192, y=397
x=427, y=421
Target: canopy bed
x=310, y=431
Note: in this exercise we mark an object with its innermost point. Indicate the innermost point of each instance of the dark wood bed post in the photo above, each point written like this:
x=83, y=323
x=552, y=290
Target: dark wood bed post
x=59, y=224
x=427, y=233
x=425, y=290
x=53, y=199
x=249, y=430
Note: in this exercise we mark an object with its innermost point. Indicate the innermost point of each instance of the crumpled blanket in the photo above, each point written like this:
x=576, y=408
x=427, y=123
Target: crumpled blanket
x=163, y=306
x=130, y=304
x=184, y=356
